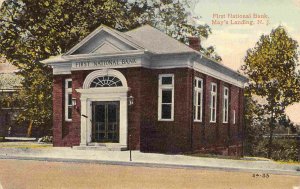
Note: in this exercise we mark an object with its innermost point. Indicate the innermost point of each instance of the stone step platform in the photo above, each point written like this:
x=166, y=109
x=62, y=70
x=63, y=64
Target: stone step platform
x=101, y=147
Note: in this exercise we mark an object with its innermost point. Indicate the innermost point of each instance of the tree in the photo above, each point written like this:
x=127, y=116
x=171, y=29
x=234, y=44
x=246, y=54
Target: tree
x=33, y=30
x=254, y=123
x=9, y=83
x=271, y=68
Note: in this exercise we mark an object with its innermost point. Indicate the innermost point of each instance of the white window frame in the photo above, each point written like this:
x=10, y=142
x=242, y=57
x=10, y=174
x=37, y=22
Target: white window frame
x=67, y=105
x=198, y=90
x=225, y=104
x=233, y=117
x=213, y=108
x=162, y=87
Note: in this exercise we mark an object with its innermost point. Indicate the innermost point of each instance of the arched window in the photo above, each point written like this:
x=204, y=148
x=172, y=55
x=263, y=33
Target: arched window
x=106, y=81
x=105, y=78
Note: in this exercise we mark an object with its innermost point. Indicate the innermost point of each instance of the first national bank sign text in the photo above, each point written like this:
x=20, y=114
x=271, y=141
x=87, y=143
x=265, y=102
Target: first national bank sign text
x=104, y=63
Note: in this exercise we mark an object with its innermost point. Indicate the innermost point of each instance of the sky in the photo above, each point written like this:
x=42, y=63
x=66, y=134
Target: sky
x=233, y=38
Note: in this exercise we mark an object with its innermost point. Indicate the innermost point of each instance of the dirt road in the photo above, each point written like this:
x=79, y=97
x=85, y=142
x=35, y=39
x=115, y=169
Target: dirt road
x=19, y=174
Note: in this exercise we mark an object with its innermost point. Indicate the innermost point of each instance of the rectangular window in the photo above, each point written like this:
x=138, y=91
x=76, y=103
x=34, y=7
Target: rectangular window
x=166, y=97
x=213, y=102
x=198, y=99
x=225, y=104
x=68, y=100
x=233, y=117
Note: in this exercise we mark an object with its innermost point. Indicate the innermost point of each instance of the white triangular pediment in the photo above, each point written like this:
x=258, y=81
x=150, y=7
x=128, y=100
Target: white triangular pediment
x=106, y=47
x=104, y=40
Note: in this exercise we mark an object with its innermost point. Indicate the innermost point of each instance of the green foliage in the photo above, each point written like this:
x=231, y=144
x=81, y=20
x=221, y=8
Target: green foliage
x=46, y=139
x=284, y=149
x=11, y=82
x=271, y=67
x=254, y=124
x=37, y=99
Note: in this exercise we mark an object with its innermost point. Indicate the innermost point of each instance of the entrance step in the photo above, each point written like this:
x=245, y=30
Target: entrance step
x=101, y=147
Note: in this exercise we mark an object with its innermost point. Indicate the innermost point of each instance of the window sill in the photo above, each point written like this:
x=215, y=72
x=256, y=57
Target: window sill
x=212, y=121
x=68, y=120
x=166, y=120
x=198, y=121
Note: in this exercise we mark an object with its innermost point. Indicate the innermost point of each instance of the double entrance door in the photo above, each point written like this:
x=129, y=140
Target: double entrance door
x=106, y=121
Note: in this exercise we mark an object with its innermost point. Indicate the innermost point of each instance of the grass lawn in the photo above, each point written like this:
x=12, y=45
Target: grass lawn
x=245, y=158
x=24, y=145
x=213, y=156
x=289, y=162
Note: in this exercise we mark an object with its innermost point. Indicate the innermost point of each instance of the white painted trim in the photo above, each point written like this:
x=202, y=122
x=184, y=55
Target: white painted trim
x=93, y=65
x=128, y=53
x=143, y=61
x=103, y=90
x=225, y=97
x=234, y=118
x=61, y=68
x=105, y=72
x=160, y=89
x=213, y=94
x=89, y=95
x=218, y=75
x=67, y=92
x=196, y=91
x=110, y=31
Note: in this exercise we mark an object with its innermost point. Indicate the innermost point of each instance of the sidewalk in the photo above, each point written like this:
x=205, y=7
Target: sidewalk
x=65, y=154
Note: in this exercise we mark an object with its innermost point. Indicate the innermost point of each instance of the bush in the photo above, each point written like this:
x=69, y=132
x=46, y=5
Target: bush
x=283, y=149
x=46, y=139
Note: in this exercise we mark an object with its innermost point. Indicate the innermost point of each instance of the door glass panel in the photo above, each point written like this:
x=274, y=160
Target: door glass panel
x=100, y=113
x=106, y=122
x=112, y=112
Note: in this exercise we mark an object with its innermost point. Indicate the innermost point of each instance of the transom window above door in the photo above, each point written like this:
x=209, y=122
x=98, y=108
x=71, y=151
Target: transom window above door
x=106, y=81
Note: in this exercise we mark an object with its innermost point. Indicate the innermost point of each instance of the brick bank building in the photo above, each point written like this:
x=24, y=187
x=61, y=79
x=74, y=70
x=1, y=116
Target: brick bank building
x=146, y=91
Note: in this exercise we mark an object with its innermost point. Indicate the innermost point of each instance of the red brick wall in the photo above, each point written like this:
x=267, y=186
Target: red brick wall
x=166, y=136
x=133, y=76
x=68, y=133
x=147, y=133
x=219, y=137
x=60, y=127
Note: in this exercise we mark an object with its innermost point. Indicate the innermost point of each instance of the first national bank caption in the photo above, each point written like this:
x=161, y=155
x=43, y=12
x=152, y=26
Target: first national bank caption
x=106, y=62
x=240, y=19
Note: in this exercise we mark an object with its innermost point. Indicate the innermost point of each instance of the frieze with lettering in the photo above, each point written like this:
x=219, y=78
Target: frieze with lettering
x=104, y=63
